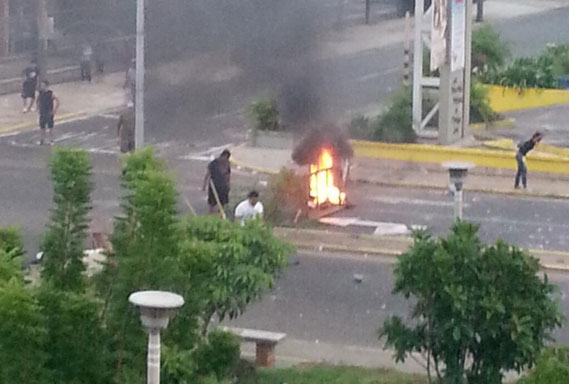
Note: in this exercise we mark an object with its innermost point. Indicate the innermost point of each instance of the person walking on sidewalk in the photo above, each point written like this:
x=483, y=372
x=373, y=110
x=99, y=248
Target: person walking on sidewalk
x=48, y=104
x=125, y=130
x=29, y=86
x=218, y=176
x=523, y=150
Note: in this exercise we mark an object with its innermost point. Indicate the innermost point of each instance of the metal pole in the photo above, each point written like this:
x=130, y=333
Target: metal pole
x=458, y=204
x=467, y=70
x=368, y=8
x=479, y=11
x=41, y=15
x=406, y=47
x=418, y=66
x=153, y=362
x=139, y=98
x=4, y=27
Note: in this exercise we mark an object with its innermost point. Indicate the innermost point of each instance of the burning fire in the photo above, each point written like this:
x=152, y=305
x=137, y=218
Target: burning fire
x=323, y=187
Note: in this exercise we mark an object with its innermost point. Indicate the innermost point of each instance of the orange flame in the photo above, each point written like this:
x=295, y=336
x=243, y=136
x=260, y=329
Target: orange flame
x=322, y=184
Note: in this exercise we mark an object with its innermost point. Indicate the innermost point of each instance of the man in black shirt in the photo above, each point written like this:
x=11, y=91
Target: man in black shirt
x=523, y=150
x=48, y=104
x=29, y=86
x=218, y=175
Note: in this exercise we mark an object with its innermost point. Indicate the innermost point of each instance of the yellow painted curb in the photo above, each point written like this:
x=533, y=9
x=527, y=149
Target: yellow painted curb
x=504, y=99
x=491, y=191
x=420, y=153
x=509, y=145
x=33, y=124
x=255, y=168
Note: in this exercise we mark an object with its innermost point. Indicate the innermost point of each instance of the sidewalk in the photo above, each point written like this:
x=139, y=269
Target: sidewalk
x=77, y=99
x=412, y=175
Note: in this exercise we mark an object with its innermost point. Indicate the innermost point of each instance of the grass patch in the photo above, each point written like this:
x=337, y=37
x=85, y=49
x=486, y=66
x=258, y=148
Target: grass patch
x=322, y=374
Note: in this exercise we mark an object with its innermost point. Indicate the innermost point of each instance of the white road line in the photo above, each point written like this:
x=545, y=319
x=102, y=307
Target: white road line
x=411, y=201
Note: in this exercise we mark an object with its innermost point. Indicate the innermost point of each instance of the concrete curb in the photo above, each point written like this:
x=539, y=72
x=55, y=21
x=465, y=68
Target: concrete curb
x=391, y=253
x=269, y=171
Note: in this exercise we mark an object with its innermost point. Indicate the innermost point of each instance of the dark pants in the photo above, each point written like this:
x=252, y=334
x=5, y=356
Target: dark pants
x=522, y=171
x=86, y=71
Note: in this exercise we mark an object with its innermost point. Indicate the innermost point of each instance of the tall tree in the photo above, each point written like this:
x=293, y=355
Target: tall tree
x=479, y=310
x=145, y=248
x=63, y=246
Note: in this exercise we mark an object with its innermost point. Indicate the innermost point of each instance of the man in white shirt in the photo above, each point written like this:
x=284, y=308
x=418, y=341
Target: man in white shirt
x=250, y=208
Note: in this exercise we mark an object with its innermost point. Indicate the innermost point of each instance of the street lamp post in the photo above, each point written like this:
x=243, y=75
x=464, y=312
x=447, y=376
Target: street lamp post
x=457, y=175
x=156, y=307
x=140, y=69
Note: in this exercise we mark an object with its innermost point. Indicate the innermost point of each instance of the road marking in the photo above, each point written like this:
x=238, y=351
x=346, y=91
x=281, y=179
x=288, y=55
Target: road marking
x=381, y=228
x=398, y=200
x=208, y=154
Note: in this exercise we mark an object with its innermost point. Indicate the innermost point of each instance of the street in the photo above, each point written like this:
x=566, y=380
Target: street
x=318, y=300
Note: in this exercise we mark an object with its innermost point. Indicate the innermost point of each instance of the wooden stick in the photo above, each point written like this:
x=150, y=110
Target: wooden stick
x=221, y=209
x=190, y=206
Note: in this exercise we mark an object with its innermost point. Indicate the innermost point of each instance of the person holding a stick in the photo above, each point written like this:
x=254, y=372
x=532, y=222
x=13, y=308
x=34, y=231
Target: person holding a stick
x=217, y=179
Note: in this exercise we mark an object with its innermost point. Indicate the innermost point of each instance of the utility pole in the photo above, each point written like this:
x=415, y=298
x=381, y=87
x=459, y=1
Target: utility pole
x=42, y=26
x=418, y=66
x=140, y=69
x=479, y=11
x=4, y=27
x=368, y=10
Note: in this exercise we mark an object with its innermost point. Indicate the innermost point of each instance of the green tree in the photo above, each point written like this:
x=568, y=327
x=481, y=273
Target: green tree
x=11, y=241
x=75, y=340
x=22, y=332
x=145, y=251
x=63, y=246
x=551, y=368
x=479, y=309
x=489, y=51
x=230, y=265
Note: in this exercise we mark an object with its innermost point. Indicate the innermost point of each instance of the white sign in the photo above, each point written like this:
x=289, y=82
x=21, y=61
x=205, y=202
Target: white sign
x=439, y=25
x=458, y=35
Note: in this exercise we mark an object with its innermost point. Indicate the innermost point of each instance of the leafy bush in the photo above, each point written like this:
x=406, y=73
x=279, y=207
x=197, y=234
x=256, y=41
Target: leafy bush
x=265, y=115
x=395, y=125
x=524, y=73
x=23, y=336
x=559, y=54
x=359, y=127
x=480, y=109
x=11, y=241
x=479, y=309
x=286, y=194
x=218, y=356
x=551, y=368
x=488, y=49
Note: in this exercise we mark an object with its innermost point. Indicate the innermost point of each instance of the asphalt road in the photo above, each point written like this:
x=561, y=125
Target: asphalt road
x=528, y=222
x=319, y=301
x=528, y=35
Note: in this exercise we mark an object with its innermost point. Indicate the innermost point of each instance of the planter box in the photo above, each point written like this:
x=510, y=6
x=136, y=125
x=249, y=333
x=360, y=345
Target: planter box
x=504, y=99
x=274, y=140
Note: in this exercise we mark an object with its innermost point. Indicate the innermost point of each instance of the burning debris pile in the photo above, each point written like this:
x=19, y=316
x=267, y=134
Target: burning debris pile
x=326, y=152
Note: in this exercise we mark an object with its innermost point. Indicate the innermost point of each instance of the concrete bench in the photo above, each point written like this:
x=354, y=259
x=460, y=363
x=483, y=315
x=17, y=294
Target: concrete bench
x=265, y=343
